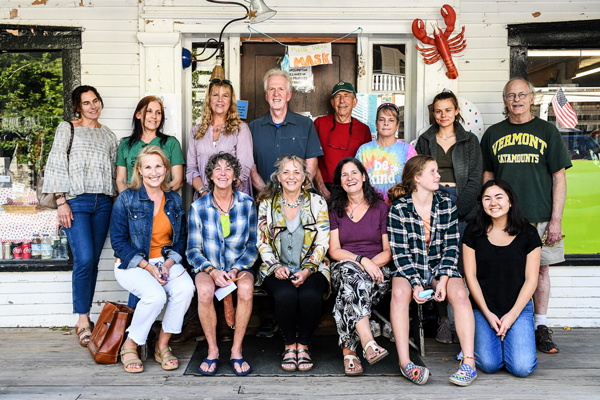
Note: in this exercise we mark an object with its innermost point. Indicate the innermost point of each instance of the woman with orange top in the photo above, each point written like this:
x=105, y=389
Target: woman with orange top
x=148, y=232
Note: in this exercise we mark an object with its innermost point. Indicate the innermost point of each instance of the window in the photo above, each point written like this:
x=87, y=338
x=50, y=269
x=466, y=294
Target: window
x=566, y=55
x=39, y=68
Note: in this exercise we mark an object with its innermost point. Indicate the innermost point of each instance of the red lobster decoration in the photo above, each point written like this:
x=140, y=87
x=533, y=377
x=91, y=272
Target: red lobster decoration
x=443, y=48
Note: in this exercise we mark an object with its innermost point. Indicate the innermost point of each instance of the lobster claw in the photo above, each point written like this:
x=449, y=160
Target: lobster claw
x=449, y=18
x=418, y=29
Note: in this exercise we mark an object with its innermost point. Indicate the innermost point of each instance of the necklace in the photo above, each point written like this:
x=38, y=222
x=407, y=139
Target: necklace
x=292, y=205
x=219, y=207
x=354, y=208
x=446, y=138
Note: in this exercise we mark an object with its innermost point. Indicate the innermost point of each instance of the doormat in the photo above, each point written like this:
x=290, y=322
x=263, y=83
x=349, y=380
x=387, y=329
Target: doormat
x=265, y=355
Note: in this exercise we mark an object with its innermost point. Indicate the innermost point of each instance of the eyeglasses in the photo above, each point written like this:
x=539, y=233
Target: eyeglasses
x=349, y=136
x=217, y=81
x=512, y=96
x=392, y=105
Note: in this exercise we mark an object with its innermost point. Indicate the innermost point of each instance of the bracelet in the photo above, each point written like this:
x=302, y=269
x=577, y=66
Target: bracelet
x=359, y=259
x=145, y=266
x=58, y=196
x=210, y=269
x=61, y=204
x=201, y=190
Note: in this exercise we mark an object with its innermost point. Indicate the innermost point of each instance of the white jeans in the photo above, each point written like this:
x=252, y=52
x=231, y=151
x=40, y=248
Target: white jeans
x=153, y=297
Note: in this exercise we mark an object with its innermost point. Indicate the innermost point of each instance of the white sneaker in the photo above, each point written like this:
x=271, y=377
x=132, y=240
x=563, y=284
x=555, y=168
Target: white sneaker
x=387, y=332
x=375, y=328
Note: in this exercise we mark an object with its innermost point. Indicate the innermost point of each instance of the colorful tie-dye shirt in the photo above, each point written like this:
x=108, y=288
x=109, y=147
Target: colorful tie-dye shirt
x=385, y=164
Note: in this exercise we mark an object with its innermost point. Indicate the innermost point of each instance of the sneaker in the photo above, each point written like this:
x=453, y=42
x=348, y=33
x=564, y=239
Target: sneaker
x=444, y=332
x=543, y=340
x=464, y=376
x=375, y=328
x=387, y=332
x=267, y=329
x=416, y=373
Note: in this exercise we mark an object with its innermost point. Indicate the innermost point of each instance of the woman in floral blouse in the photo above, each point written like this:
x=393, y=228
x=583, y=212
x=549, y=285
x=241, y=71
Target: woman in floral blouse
x=293, y=240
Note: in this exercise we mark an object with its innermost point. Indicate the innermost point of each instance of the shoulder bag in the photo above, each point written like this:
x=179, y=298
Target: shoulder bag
x=47, y=199
x=109, y=332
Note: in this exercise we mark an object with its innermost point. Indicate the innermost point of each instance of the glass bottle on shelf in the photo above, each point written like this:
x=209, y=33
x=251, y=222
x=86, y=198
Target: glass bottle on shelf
x=36, y=247
x=46, y=247
x=64, y=251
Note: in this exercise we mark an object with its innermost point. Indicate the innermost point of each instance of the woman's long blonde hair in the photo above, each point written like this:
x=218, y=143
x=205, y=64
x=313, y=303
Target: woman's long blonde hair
x=136, y=178
x=232, y=120
x=413, y=167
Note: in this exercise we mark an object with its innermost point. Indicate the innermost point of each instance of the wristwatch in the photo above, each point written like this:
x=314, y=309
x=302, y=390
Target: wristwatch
x=201, y=190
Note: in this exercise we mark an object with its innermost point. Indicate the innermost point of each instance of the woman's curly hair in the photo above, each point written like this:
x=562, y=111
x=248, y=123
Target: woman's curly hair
x=339, y=198
x=230, y=160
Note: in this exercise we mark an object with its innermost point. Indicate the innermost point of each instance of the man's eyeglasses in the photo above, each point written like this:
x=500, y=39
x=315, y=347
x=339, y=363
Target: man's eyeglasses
x=349, y=136
x=512, y=96
x=217, y=81
x=392, y=105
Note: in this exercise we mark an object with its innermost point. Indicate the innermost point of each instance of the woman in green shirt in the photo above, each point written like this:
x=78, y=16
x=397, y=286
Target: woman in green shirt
x=148, y=121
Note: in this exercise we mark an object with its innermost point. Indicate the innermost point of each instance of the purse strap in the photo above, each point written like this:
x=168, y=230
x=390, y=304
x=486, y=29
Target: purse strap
x=71, y=142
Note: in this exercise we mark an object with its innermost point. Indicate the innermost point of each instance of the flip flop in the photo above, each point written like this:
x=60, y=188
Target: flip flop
x=239, y=362
x=210, y=364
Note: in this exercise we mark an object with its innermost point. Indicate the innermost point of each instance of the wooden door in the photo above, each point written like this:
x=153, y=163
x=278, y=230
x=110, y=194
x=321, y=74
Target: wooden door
x=258, y=58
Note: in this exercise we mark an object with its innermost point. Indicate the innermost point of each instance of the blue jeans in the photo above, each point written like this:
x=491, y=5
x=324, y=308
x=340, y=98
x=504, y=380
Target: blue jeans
x=517, y=352
x=91, y=219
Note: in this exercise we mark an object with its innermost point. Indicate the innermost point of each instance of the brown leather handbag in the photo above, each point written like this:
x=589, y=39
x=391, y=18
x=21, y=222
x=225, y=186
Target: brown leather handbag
x=109, y=333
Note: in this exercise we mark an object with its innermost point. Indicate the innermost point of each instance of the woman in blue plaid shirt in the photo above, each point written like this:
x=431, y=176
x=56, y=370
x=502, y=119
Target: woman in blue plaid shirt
x=221, y=248
x=423, y=236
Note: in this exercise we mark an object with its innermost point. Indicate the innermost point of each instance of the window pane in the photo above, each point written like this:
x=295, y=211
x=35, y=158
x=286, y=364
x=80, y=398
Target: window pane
x=578, y=73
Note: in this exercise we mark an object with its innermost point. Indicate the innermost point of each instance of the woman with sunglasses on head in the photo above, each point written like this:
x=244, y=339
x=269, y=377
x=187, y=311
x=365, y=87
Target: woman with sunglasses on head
x=458, y=155
x=293, y=239
x=148, y=122
x=83, y=183
x=501, y=253
x=384, y=157
x=148, y=234
x=423, y=235
x=220, y=130
x=222, y=248
x=359, y=243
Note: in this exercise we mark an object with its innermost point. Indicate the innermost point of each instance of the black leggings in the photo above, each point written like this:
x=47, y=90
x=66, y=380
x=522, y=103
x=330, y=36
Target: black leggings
x=297, y=307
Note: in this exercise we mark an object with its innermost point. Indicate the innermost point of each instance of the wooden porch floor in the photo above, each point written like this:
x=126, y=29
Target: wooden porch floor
x=41, y=364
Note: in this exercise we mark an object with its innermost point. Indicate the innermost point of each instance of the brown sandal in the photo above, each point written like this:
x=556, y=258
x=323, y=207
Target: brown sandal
x=84, y=334
x=159, y=356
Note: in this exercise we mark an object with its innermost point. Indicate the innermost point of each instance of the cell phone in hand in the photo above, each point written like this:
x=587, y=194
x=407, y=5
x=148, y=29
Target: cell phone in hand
x=426, y=294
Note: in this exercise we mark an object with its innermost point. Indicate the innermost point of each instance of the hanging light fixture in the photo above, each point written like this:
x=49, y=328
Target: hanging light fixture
x=257, y=13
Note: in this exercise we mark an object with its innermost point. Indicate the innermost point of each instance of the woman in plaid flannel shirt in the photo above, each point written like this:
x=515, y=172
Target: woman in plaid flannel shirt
x=423, y=236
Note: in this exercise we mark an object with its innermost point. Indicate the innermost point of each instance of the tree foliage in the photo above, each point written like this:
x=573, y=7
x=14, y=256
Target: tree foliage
x=31, y=104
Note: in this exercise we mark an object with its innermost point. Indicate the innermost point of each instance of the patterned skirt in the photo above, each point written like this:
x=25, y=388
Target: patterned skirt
x=357, y=293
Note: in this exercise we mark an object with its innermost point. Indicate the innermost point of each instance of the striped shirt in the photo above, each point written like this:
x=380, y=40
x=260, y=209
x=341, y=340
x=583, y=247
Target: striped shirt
x=206, y=245
x=413, y=259
x=90, y=167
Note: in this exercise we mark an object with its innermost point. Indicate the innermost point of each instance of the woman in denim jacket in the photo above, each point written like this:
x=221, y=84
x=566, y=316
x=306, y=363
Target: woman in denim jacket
x=148, y=233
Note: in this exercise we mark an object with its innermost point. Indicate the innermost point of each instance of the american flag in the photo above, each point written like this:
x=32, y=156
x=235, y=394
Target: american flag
x=563, y=111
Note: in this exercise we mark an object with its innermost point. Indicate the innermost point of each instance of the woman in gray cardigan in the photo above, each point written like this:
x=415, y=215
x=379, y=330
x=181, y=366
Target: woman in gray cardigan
x=458, y=155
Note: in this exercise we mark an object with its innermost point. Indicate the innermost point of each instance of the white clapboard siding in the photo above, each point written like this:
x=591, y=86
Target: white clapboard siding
x=484, y=67
x=574, y=297
x=45, y=298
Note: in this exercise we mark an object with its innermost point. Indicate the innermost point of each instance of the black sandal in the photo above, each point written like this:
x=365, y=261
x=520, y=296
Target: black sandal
x=289, y=360
x=304, y=360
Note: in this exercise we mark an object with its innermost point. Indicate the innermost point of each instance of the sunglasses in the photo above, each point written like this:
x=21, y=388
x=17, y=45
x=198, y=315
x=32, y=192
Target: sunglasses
x=392, y=105
x=349, y=136
x=217, y=81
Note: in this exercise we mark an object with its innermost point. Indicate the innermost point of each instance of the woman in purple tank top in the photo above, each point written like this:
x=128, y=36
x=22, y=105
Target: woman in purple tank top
x=359, y=243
